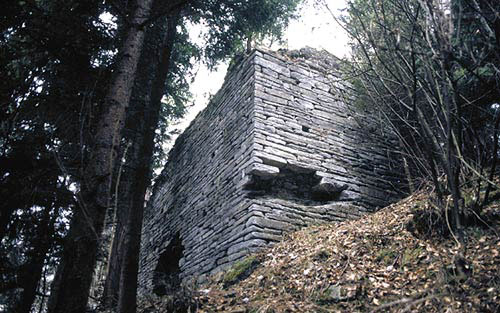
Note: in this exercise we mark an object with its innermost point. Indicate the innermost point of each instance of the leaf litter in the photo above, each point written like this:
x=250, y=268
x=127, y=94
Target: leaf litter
x=373, y=264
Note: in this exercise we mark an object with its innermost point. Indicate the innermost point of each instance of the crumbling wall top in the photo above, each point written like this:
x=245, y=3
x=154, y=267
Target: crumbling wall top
x=320, y=60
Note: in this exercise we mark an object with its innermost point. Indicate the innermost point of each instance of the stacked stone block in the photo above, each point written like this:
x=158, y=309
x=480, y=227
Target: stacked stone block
x=275, y=150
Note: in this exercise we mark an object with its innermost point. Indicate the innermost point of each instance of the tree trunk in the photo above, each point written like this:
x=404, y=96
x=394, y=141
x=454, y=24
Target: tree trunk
x=142, y=177
x=5, y=216
x=70, y=293
x=30, y=274
x=494, y=158
x=133, y=132
x=112, y=283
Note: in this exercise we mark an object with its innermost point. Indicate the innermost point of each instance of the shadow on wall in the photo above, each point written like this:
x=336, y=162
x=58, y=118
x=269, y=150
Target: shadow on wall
x=302, y=186
x=166, y=279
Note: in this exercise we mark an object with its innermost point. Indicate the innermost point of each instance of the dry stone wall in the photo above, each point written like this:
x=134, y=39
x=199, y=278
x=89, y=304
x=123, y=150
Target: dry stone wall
x=275, y=150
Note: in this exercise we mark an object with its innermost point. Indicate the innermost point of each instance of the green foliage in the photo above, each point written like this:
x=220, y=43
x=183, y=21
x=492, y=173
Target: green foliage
x=231, y=23
x=177, y=93
x=410, y=256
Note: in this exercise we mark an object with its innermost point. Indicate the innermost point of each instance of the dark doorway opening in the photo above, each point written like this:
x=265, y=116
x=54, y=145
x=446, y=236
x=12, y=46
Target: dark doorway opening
x=166, y=279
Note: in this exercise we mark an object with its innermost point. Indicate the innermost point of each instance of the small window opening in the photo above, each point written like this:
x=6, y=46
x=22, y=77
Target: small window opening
x=166, y=279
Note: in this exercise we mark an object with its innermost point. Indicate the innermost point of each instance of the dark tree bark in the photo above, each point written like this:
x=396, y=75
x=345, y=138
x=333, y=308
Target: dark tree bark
x=142, y=166
x=112, y=283
x=133, y=134
x=28, y=277
x=5, y=217
x=494, y=158
x=141, y=120
x=122, y=192
x=30, y=274
x=71, y=289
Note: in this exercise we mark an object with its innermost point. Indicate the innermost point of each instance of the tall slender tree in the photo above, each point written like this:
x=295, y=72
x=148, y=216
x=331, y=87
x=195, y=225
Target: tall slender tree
x=141, y=124
x=70, y=289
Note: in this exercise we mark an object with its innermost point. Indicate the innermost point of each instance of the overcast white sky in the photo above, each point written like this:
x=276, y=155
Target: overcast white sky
x=316, y=28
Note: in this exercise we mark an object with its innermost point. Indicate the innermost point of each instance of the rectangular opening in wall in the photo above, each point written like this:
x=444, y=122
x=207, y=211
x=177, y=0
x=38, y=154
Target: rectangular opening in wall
x=166, y=278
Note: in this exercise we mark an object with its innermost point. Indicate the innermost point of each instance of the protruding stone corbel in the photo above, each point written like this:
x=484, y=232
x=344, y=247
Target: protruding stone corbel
x=328, y=189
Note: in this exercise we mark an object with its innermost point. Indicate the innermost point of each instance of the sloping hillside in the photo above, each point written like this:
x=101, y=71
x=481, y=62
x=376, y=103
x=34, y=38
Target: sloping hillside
x=383, y=262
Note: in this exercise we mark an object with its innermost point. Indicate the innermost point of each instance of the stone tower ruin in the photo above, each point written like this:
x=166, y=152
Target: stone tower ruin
x=275, y=150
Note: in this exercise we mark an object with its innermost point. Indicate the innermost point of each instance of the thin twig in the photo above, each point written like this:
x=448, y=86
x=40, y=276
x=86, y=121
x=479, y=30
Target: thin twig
x=410, y=301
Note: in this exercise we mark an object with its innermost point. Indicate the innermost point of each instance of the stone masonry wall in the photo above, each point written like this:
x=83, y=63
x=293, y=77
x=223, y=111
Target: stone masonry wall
x=275, y=150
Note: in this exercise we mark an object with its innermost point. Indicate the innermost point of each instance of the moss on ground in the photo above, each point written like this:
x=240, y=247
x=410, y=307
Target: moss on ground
x=240, y=270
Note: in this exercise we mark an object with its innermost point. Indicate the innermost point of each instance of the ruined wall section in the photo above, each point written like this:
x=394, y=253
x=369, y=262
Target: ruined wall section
x=275, y=150
x=196, y=198
x=314, y=162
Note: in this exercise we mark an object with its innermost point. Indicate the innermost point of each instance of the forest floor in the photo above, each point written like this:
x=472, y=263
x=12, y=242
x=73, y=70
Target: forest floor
x=390, y=261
